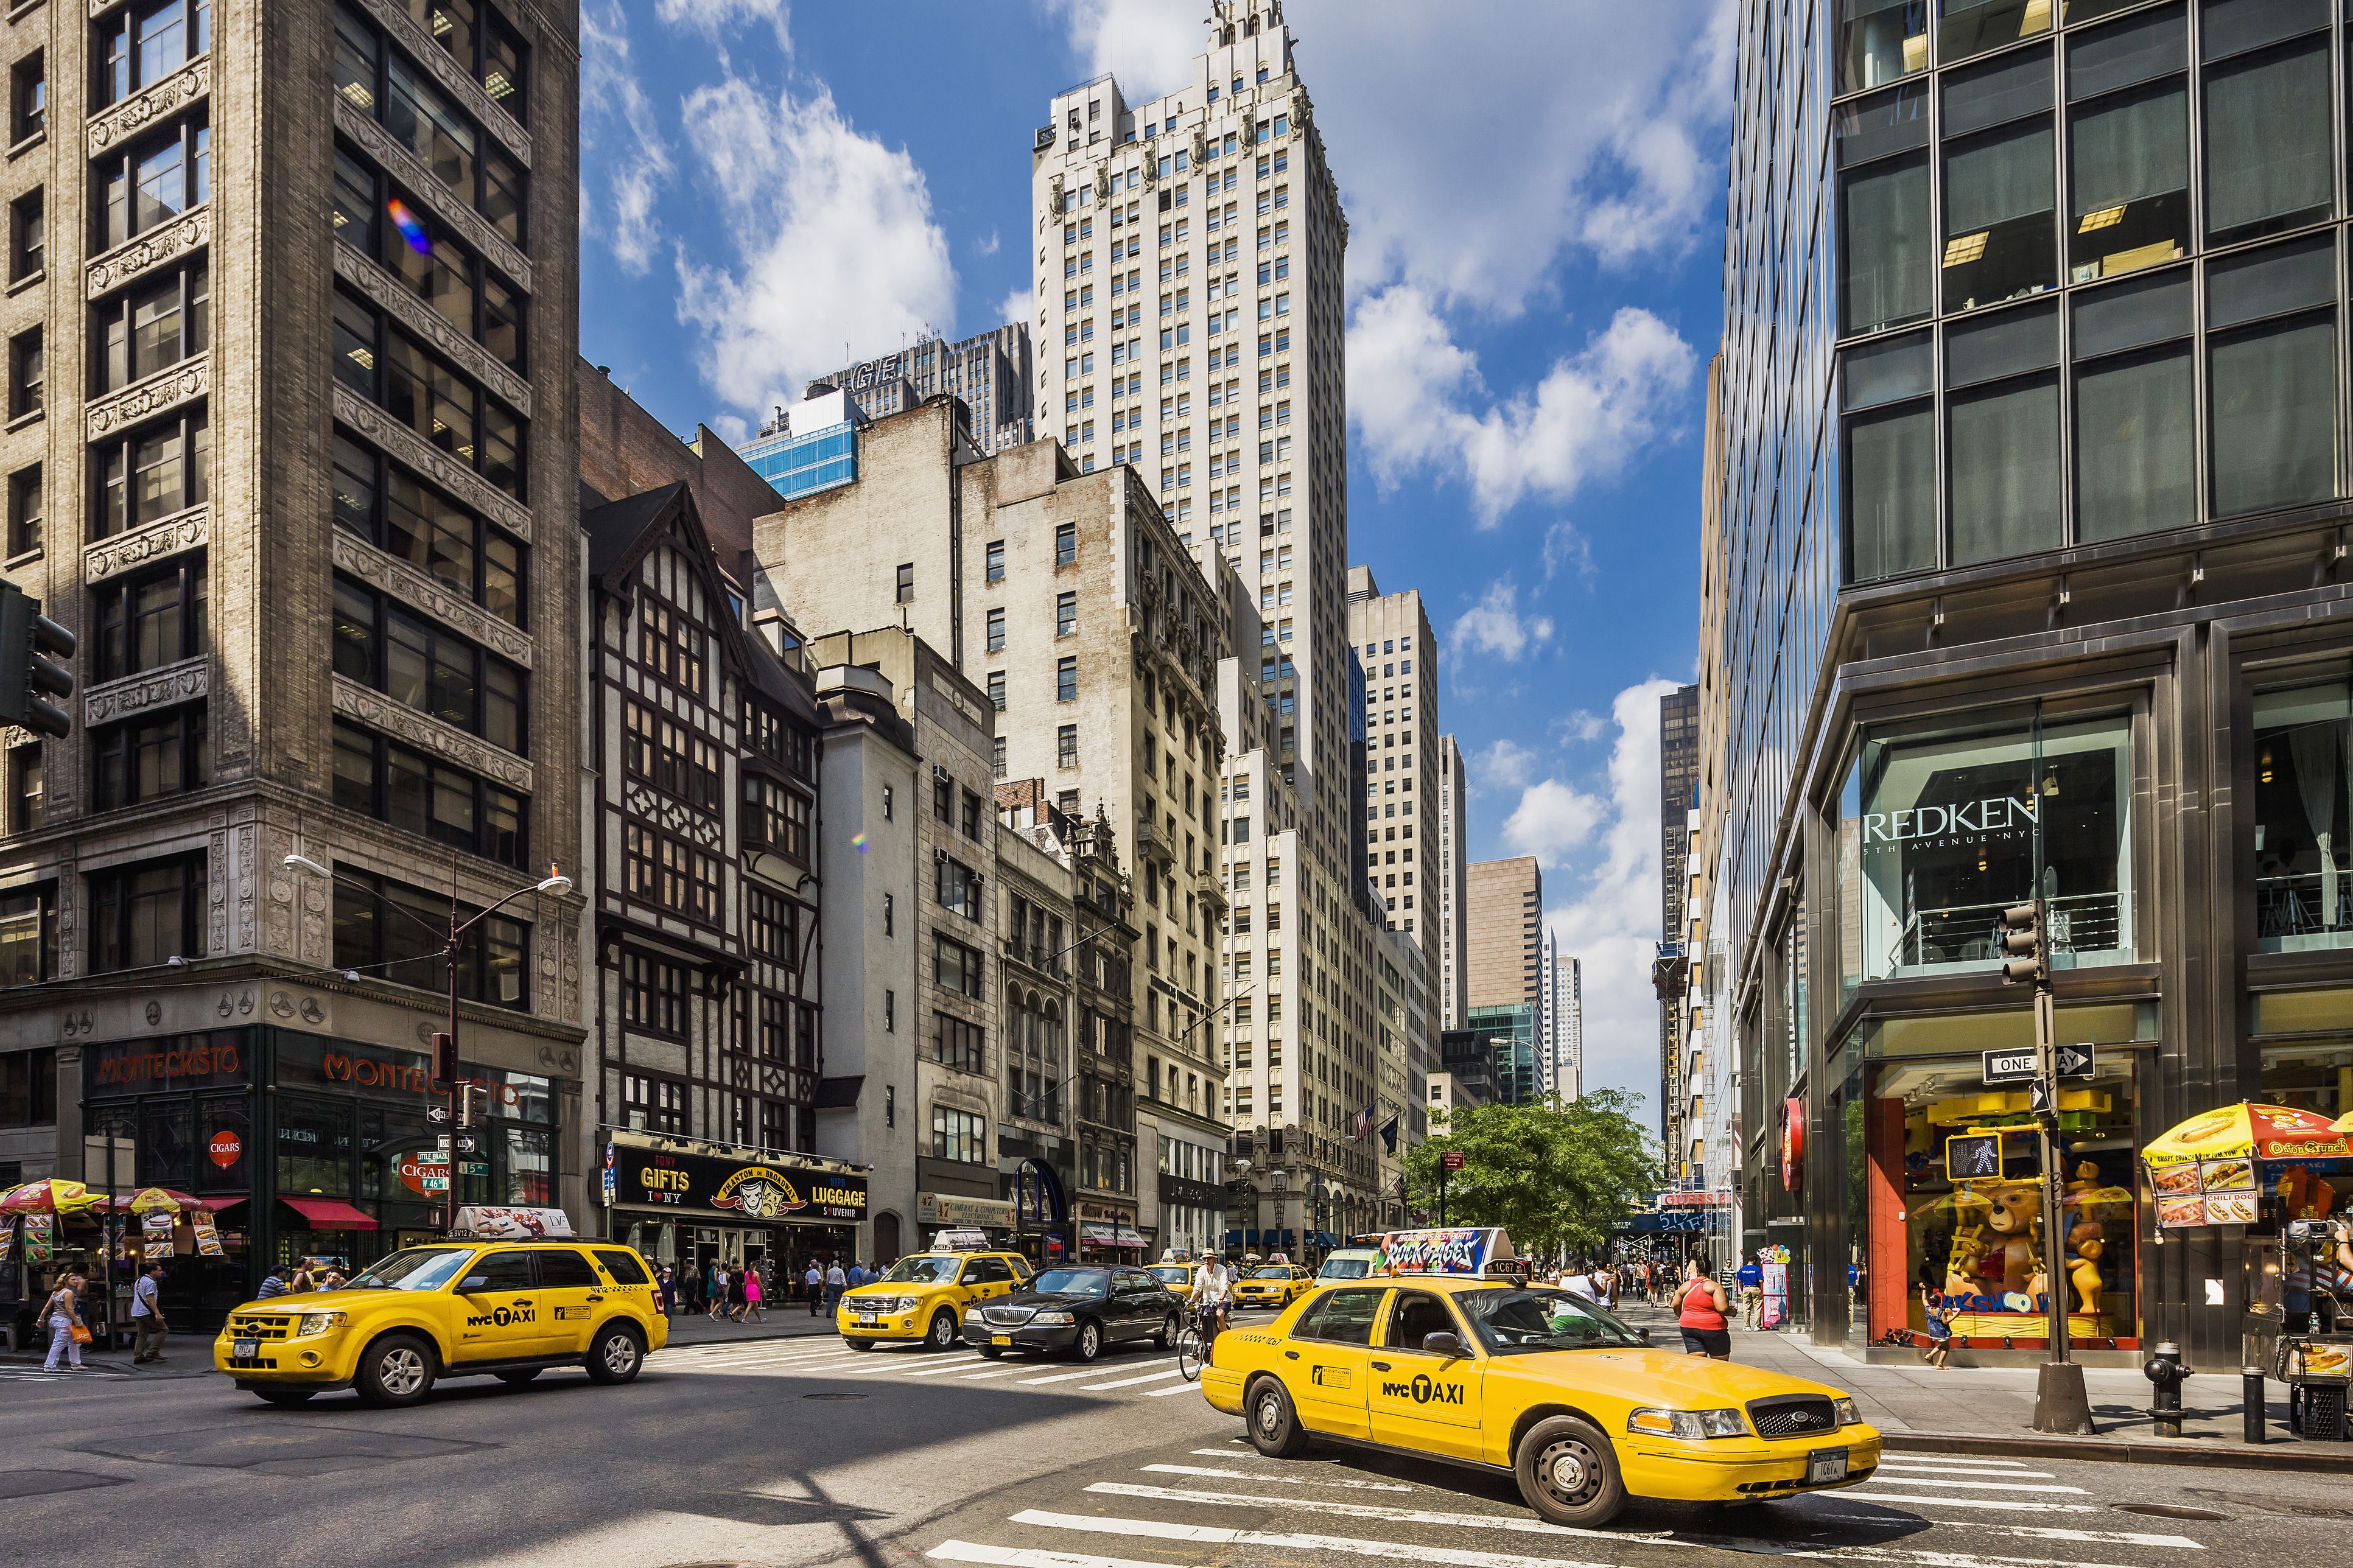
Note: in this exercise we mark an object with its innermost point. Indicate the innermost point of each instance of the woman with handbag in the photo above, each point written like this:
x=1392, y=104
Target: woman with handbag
x=66, y=1334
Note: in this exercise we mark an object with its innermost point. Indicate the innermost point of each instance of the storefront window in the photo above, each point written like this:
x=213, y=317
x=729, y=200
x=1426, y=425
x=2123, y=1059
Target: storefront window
x=1948, y=832
x=224, y=1139
x=2310, y=1076
x=2304, y=896
x=314, y=1147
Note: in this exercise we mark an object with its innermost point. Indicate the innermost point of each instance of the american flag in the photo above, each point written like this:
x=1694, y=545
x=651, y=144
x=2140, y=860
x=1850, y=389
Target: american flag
x=1362, y=1127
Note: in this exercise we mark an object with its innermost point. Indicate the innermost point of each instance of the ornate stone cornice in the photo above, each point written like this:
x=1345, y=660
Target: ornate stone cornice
x=426, y=185
x=451, y=744
x=437, y=466
x=135, y=113
x=414, y=588
x=166, y=389
x=428, y=323
x=190, y=530
x=421, y=47
x=174, y=683
x=192, y=230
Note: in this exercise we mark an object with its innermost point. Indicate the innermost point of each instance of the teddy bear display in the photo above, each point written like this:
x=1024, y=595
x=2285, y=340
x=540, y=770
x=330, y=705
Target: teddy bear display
x=2015, y=1216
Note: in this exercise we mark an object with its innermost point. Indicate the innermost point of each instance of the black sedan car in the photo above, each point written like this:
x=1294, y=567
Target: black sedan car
x=1078, y=1310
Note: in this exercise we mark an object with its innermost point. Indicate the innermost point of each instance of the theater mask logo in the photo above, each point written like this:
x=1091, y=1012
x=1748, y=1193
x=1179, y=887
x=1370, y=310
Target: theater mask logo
x=755, y=1192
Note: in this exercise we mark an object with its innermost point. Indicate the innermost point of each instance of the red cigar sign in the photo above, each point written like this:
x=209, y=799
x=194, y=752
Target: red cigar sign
x=225, y=1147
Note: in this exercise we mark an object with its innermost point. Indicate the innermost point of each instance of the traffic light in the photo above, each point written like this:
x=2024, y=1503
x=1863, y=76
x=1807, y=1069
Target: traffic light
x=2025, y=950
x=445, y=1062
x=31, y=648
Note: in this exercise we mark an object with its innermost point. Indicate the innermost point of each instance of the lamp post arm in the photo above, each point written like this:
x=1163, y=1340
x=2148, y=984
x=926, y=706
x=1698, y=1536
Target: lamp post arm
x=457, y=932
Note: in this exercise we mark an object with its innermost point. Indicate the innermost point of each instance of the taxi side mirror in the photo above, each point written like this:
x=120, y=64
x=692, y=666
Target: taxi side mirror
x=473, y=1284
x=1642, y=1334
x=1441, y=1344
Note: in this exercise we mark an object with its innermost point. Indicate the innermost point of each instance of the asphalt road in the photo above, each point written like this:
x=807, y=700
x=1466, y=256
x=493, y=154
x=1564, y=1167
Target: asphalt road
x=798, y=1452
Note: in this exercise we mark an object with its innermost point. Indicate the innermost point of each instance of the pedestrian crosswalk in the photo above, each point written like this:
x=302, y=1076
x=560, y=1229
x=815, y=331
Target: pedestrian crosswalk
x=36, y=1374
x=1238, y=1506
x=1144, y=1373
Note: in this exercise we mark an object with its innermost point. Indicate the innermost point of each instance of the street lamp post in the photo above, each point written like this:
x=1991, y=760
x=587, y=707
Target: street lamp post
x=445, y=1064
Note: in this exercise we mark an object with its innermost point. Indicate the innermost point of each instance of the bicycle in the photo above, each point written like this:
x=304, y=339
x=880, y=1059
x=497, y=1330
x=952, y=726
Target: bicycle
x=1192, y=1349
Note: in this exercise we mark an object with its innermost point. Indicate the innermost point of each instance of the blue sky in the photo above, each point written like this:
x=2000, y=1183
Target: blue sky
x=1534, y=192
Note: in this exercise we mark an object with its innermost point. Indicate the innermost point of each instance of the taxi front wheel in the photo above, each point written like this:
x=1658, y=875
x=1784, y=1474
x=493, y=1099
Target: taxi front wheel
x=1274, y=1428
x=395, y=1371
x=943, y=1334
x=1568, y=1472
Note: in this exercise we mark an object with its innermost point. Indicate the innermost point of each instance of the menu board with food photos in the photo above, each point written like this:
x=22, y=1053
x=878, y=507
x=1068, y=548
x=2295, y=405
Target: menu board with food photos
x=2206, y=1192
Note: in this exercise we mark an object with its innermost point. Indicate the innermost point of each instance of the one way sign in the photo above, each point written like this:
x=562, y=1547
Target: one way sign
x=2018, y=1066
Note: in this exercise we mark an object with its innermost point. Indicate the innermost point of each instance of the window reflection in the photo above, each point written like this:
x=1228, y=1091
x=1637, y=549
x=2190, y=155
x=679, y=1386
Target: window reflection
x=2304, y=819
x=2267, y=102
x=2000, y=189
x=1966, y=28
x=1882, y=40
x=2129, y=145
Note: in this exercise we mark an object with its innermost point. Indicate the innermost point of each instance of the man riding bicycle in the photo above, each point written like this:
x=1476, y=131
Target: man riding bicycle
x=1212, y=1294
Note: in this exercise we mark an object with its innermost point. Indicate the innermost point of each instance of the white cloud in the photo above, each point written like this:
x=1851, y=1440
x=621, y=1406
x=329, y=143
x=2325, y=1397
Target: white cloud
x=1581, y=726
x=987, y=247
x=1552, y=819
x=1019, y=305
x=834, y=237
x=1496, y=625
x=1503, y=765
x=617, y=121
x=1412, y=394
x=1147, y=44
x=1609, y=917
x=1565, y=545
x=715, y=18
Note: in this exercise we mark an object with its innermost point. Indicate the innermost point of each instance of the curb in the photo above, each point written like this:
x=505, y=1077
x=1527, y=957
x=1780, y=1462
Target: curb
x=2292, y=1454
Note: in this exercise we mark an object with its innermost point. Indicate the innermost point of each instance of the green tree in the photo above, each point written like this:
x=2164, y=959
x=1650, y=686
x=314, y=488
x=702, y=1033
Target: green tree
x=1558, y=1174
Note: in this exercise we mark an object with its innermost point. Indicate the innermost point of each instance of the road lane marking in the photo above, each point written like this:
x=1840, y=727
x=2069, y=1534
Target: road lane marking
x=1164, y=1393
x=1517, y=1523
x=992, y=1372
x=1132, y=1382
x=1060, y=1377
x=1885, y=1465
x=2013, y=1505
x=1226, y=1535
x=1975, y=1486
x=1286, y=1480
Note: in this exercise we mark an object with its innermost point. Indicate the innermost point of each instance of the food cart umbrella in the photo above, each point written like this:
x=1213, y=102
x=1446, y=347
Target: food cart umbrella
x=48, y=1196
x=2248, y=1130
x=156, y=1200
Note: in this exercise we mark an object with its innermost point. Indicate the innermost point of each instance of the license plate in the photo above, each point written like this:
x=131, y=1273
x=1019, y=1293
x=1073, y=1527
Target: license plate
x=1825, y=1465
x=1000, y=1339
x=246, y=1349
x=865, y=1320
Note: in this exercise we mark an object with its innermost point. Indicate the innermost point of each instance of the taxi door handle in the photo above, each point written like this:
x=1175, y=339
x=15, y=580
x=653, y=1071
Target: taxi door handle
x=1380, y=1366
x=596, y=1295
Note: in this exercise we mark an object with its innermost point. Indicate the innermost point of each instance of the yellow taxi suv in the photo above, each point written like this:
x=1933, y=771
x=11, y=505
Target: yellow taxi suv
x=923, y=1297
x=508, y=1310
x=1276, y=1285
x=1481, y=1369
x=1177, y=1276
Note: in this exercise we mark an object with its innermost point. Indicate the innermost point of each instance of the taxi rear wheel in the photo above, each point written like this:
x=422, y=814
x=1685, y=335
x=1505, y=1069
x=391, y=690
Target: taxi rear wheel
x=395, y=1370
x=615, y=1356
x=1274, y=1428
x=1568, y=1472
x=941, y=1335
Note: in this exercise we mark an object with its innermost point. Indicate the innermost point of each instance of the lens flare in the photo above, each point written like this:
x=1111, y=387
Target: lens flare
x=857, y=842
x=412, y=229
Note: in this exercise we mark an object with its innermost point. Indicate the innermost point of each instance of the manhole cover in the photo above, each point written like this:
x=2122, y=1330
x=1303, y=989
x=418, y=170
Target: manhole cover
x=2166, y=1511
x=833, y=1397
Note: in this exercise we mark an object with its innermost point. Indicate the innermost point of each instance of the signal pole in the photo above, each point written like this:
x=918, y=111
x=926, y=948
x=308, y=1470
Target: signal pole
x=2060, y=1403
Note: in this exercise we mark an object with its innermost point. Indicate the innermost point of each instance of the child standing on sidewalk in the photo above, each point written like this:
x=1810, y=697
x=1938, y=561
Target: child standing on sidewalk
x=1940, y=1327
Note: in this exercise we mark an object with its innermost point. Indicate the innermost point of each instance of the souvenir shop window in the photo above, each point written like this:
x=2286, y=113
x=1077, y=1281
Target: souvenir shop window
x=2304, y=819
x=1941, y=834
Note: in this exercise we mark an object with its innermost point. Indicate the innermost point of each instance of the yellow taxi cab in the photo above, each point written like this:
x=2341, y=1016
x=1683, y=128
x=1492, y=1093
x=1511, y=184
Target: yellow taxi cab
x=1276, y=1285
x=924, y=1294
x=508, y=1309
x=1176, y=1274
x=1443, y=1355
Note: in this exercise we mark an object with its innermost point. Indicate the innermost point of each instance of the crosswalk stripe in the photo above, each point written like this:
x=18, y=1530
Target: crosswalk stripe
x=1164, y=1393
x=1060, y=1377
x=992, y=1372
x=1518, y=1523
x=1224, y=1535
x=945, y=1364
x=1132, y=1382
x=1286, y=1480
x=1909, y=1469
x=2013, y=1504
x=1942, y=1461
x=1974, y=1486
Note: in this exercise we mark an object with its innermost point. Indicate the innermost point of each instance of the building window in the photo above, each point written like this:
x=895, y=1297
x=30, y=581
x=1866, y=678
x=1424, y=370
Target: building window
x=1066, y=679
x=995, y=570
x=2002, y=436
x=140, y=45
x=906, y=588
x=775, y=816
x=29, y=98
x=28, y=935
x=145, y=184
x=957, y=1044
x=26, y=374
x=1066, y=613
x=958, y=1135
x=143, y=914
x=2304, y=840
x=1945, y=833
x=955, y=966
x=1066, y=746
x=28, y=1088
x=957, y=886
x=485, y=48
x=493, y=966
x=996, y=757
x=676, y=760
x=28, y=232
x=1886, y=261
x=997, y=631
x=27, y=788
x=996, y=689
x=658, y=868
x=25, y=511
x=156, y=324
x=378, y=81
x=153, y=619
x=2272, y=377
x=143, y=759
x=402, y=235
x=772, y=927
x=385, y=645
x=421, y=390
x=385, y=504
x=652, y=1104
x=1882, y=40
x=1889, y=457
x=1999, y=183
x=160, y=467
x=653, y=995
x=2135, y=420
x=2128, y=145
x=2266, y=120
x=1066, y=543
x=381, y=778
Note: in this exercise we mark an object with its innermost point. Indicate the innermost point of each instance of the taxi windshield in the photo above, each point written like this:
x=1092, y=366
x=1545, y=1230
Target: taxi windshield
x=1172, y=1274
x=418, y=1269
x=1344, y=1269
x=1073, y=1282
x=1511, y=1322
x=922, y=1270
x=1271, y=1271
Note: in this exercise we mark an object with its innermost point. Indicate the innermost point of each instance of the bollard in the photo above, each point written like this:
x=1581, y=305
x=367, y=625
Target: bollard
x=2165, y=1370
x=2251, y=1404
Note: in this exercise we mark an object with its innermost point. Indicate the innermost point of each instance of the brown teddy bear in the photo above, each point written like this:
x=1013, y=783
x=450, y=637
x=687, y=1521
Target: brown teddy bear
x=2015, y=1220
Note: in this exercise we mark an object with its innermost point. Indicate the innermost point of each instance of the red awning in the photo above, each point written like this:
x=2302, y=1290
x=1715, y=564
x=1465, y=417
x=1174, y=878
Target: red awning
x=328, y=1214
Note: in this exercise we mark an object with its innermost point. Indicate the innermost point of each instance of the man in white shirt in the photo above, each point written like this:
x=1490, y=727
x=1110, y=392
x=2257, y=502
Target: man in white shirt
x=1577, y=1284
x=836, y=1282
x=1213, y=1289
x=147, y=1316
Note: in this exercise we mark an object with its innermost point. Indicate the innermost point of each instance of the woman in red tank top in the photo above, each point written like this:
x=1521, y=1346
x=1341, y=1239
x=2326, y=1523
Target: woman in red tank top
x=1700, y=1307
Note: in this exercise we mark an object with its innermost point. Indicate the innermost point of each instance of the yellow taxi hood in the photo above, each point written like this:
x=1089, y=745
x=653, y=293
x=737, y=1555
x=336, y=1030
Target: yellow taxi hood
x=335, y=1301
x=899, y=1287
x=1662, y=1377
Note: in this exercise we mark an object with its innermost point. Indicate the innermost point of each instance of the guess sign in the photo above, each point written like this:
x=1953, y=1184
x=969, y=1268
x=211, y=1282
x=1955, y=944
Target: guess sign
x=225, y=1147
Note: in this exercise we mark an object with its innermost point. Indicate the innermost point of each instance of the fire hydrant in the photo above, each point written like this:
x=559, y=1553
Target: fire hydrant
x=2164, y=1369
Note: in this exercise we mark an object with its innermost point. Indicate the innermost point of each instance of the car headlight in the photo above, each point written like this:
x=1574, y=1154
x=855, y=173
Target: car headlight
x=1848, y=1415
x=319, y=1322
x=1694, y=1424
x=1057, y=1319
x=972, y=1314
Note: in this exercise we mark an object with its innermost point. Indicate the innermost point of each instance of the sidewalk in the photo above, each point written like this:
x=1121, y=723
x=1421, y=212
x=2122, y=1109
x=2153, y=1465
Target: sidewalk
x=1990, y=1410
x=788, y=1321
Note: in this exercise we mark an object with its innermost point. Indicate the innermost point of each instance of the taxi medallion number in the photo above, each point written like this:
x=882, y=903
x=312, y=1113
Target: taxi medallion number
x=1824, y=1466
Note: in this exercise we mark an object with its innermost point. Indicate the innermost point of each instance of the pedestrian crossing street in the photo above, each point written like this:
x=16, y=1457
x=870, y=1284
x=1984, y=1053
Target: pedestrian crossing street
x=1229, y=1503
x=1139, y=1372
